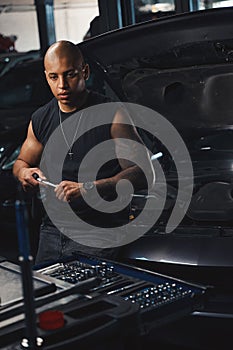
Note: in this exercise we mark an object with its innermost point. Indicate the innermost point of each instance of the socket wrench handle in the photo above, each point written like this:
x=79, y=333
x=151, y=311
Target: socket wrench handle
x=36, y=177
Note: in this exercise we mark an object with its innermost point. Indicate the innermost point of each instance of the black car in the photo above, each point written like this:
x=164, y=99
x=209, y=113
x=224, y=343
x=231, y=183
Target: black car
x=181, y=67
x=23, y=89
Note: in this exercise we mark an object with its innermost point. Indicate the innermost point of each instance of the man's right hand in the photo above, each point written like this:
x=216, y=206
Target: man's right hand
x=27, y=180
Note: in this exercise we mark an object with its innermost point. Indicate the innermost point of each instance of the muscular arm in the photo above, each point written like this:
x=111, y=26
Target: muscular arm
x=28, y=161
x=130, y=150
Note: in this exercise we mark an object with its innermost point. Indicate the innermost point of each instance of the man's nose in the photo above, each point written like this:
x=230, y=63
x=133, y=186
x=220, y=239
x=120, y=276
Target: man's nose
x=62, y=82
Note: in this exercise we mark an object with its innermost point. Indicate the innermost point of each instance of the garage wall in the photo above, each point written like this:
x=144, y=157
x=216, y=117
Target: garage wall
x=71, y=22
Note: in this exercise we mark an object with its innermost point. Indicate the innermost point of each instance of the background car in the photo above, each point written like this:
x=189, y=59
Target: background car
x=23, y=89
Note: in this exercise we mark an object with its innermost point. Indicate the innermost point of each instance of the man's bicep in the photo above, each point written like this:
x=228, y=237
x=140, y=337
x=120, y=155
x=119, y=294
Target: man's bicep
x=123, y=127
x=129, y=147
x=31, y=149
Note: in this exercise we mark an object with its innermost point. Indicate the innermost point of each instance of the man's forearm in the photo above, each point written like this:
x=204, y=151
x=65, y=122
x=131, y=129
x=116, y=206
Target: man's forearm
x=133, y=174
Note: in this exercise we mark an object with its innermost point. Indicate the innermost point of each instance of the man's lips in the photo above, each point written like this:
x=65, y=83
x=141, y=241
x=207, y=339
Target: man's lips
x=64, y=95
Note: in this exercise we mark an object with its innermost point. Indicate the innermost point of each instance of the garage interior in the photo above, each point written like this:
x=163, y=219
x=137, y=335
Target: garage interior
x=167, y=290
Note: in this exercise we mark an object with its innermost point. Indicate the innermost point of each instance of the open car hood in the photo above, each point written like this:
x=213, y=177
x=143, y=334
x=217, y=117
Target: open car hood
x=180, y=66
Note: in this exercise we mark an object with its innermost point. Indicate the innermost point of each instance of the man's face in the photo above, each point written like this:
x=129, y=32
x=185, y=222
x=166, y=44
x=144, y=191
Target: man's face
x=66, y=78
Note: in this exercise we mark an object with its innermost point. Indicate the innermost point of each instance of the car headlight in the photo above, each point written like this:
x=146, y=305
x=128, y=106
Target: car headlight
x=8, y=164
x=2, y=150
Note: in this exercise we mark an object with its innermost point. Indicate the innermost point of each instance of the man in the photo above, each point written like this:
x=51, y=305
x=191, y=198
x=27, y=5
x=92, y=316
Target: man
x=66, y=73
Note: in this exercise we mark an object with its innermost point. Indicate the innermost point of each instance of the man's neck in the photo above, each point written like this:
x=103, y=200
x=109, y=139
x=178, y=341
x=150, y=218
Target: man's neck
x=81, y=100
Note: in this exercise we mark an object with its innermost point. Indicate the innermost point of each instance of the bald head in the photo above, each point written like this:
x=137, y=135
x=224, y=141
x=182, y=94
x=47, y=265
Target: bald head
x=66, y=74
x=63, y=49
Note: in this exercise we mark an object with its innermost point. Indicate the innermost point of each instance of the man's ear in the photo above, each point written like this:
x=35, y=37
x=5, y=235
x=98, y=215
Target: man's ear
x=45, y=74
x=86, y=72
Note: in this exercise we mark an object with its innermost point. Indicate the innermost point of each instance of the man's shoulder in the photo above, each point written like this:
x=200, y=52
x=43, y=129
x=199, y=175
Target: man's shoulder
x=95, y=98
x=49, y=106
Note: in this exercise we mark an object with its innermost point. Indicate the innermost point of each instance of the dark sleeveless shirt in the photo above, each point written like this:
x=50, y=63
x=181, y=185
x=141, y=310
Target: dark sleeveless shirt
x=46, y=120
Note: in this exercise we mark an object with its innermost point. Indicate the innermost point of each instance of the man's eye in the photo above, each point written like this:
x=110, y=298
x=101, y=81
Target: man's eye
x=71, y=74
x=53, y=77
